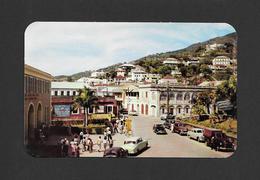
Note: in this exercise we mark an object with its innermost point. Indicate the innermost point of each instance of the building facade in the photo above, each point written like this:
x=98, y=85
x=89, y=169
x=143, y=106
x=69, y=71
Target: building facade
x=37, y=101
x=151, y=99
x=221, y=61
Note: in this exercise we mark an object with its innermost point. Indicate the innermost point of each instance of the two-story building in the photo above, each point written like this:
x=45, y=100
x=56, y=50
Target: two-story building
x=37, y=101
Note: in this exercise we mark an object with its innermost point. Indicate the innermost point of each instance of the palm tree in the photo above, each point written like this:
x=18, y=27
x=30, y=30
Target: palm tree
x=86, y=98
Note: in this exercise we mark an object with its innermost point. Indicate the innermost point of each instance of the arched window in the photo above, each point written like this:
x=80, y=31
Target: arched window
x=187, y=97
x=179, y=96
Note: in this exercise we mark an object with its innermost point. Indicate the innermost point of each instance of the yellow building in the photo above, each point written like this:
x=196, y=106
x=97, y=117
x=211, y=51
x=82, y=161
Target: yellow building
x=37, y=100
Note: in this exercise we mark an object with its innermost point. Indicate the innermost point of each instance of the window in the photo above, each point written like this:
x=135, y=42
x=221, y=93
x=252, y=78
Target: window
x=74, y=93
x=146, y=94
x=68, y=93
x=62, y=93
x=55, y=93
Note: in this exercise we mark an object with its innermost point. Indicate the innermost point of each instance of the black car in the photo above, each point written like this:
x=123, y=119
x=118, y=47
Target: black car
x=115, y=152
x=159, y=129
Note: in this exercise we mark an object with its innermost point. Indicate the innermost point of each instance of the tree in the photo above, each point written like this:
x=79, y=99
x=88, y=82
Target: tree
x=198, y=110
x=205, y=99
x=184, y=71
x=69, y=79
x=164, y=70
x=86, y=99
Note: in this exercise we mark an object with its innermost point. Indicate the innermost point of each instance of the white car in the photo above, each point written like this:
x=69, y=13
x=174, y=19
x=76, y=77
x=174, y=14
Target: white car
x=134, y=145
x=196, y=133
x=133, y=113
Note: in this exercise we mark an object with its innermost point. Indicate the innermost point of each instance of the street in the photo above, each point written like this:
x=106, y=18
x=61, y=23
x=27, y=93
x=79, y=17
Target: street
x=172, y=144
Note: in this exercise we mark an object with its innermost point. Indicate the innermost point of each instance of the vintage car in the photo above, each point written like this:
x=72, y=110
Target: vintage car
x=166, y=116
x=115, y=152
x=217, y=140
x=135, y=145
x=159, y=129
x=180, y=128
x=196, y=133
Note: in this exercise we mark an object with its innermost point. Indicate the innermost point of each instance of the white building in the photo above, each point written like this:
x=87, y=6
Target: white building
x=210, y=47
x=192, y=62
x=153, y=99
x=138, y=75
x=66, y=88
x=96, y=74
x=152, y=77
x=168, y=79
x=172, y=61
x=92, y=81
x=221, y=60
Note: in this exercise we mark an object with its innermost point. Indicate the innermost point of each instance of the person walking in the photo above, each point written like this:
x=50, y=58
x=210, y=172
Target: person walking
x=73, y=148
x=65, y=147
x=84, y=143
x=81, y=137
x=77, y=149
x=99, y=143
x=105, y=143
x=110, y=143
x=109, y=135
x=90, y=144
x=172, y=127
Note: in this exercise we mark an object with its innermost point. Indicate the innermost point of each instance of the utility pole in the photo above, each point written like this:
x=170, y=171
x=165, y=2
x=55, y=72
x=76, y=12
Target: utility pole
x=168, y=98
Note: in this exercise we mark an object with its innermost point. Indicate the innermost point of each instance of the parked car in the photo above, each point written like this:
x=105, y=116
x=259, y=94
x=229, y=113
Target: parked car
x=180, y=128
x=159, y=129
x=196, y=133
x=135, y=145
x=166, y=116
x=156, y=126
x=217, y=140
x=168, y=122
x=133, y=113
x=115, y=152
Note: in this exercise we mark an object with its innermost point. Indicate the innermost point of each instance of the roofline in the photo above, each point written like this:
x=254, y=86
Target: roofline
x=32, y=71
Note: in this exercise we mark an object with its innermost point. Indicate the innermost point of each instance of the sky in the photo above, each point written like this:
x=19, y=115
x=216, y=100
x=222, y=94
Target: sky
x=65, y=48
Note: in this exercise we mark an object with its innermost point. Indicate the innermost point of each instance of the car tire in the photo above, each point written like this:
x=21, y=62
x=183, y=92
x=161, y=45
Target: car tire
x=198, y=139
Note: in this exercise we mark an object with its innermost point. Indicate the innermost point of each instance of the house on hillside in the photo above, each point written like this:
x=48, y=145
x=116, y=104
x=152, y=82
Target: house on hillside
x=221, y=60
x=168, y=79
x=172, y=62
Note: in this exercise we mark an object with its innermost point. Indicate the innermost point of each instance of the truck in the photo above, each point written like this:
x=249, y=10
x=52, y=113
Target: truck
x=217, y=140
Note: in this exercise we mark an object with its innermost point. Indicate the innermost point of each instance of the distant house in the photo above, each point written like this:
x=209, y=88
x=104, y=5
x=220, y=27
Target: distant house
x=168, y=79
x=92, y=81
x=210, y=47
x=221, y=60
x=172, y=61
x=120, y=72
x=138, y=75
x=96, y=74
x=192, y=62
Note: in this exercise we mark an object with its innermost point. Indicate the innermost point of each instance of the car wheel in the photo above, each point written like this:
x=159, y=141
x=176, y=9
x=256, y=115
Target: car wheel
x=198, y=139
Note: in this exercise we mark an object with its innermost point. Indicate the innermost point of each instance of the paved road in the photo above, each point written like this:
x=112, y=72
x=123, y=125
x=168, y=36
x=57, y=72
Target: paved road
x=172, y=144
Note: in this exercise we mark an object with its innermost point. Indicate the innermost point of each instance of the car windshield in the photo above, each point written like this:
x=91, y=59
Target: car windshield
x=130, y=142
x=160, y=128
x=199, y=131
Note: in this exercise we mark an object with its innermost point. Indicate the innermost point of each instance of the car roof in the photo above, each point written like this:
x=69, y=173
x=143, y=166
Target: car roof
x=133, y=138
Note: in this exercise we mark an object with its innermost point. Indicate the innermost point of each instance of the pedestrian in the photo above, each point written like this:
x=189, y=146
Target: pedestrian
x=172, y=127
x=116, y=128
x=66, y=147
x=109, y=135
x=90, y=145
x=84, y=142
x=77, y=149
x=110, y=143
x=105, y=143
x=105, y=133
x=73, y=148
x=81, y=136
x=99, y=143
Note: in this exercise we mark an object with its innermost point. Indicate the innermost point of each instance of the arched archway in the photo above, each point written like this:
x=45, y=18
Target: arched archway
x=178, y=109
x=142, y=109
x=179, y=97
x=31, y=121
x=187, y=109
x=187, y=97
x=39, y=115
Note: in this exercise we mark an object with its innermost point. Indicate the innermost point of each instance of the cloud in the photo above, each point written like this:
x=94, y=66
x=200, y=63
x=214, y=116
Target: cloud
x=71, y=47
